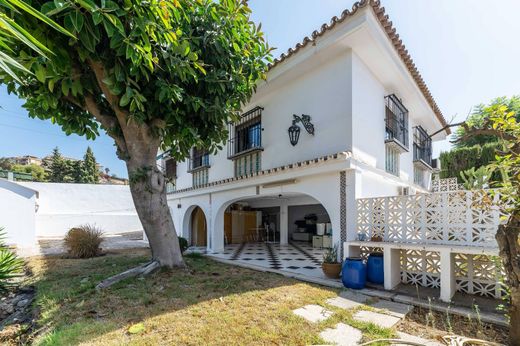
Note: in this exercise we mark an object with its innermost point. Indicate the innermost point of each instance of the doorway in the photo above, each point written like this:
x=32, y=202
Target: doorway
x=199, y=230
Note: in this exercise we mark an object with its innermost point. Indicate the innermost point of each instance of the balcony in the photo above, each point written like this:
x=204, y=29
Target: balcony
x=422, y=148
x=246, y=135
x=198, y=161
x=396, y=123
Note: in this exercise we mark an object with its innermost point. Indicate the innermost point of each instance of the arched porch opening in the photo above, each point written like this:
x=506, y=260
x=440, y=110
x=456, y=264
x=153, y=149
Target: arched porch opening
x=278, y=219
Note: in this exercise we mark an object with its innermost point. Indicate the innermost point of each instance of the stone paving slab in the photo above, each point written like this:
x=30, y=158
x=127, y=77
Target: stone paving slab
x=342, y=335
x=313, y=313
x=381, y=320
x=343, y=303
x=417, y=339
x=392, y=308
x=357, y=297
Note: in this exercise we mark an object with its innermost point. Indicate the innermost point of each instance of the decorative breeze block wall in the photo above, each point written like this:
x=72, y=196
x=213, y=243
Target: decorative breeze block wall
x=480, y=274
x=452, y=218
x=421, y=268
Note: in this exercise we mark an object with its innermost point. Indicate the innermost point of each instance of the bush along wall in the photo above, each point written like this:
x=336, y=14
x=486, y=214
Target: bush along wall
x=458, y=160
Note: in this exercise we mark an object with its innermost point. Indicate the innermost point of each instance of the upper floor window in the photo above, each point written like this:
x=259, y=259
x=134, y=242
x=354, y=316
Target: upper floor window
x=198, y=159
x=396, y=121
x=422, y=146
x=246, y=135
x=171, y=174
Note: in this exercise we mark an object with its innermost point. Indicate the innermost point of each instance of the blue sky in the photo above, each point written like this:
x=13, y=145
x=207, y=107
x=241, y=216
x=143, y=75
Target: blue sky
x=466, y=50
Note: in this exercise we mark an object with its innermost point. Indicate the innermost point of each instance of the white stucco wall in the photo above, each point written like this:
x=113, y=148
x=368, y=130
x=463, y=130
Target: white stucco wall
x=17, y=214
x=63, y=206
x=322, y=92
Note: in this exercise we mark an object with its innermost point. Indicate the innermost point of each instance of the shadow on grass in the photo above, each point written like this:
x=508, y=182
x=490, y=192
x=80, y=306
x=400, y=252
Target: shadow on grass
x=212, y=303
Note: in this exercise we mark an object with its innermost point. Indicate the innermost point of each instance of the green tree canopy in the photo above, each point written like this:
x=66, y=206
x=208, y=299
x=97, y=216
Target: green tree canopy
x=477, y=117
x=38, y=172
x=58, y=167
x=168, y=73
x=89, y=170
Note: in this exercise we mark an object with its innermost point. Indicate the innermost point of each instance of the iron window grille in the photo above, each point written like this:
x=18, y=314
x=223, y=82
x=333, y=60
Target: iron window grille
x=396, y=121
x=199, y=159
x=170, y=169
x=245, y=136
x=422, y=146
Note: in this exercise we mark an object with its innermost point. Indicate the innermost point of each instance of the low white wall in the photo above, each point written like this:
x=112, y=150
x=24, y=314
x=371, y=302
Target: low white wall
x=17, y=206
x=63, y=206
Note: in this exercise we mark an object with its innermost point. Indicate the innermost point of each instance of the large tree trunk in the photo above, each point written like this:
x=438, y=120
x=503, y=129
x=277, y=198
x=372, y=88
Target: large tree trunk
x=508, y=244
x=148, y=187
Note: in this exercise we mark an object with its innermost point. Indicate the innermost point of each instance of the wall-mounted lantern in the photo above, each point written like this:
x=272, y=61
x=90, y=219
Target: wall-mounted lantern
x=294, y=129
x=294, y=134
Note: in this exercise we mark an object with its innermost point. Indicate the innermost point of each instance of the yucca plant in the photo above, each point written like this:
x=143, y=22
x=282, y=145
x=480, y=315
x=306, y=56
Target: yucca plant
x=10, y=265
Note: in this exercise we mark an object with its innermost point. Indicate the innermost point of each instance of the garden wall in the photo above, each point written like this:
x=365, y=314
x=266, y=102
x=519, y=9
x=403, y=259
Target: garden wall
x=17, y=213
x=31, y=210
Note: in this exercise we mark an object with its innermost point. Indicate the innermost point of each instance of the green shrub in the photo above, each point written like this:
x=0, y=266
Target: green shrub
x=10, y=265
x=183, y=244
x=462, y=159
x=83, y=241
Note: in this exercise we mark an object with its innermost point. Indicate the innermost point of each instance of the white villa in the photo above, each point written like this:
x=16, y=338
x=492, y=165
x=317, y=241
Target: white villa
x=365, y=117
x=342, y=117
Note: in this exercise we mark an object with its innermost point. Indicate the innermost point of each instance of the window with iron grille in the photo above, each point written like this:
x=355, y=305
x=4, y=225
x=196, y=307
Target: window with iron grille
x=170, y=168
x=199, y=159
x=422, y=146
x=392, y=157
x=396, y=121
x=245, y=136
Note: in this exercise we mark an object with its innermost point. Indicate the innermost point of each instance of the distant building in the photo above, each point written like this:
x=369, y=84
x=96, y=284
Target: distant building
x=26, y=160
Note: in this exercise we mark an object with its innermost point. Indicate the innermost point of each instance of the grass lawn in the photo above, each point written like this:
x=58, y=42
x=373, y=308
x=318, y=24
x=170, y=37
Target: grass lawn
x=213, y=304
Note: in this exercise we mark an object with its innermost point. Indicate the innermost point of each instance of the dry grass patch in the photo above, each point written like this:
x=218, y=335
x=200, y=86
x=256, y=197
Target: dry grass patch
x=213, y=304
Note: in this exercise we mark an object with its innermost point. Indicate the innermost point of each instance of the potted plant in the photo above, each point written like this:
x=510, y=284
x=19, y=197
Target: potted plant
x=331, y=266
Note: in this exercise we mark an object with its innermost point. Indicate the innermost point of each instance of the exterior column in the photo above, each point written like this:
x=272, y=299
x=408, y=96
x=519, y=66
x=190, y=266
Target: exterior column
x=392, y=267
x=284, y=223
x=353, y=192
x=216, y=232
x=448, y=283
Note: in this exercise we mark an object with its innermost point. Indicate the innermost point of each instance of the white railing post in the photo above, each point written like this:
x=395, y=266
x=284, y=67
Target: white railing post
x=392, y=267
x=448, y=283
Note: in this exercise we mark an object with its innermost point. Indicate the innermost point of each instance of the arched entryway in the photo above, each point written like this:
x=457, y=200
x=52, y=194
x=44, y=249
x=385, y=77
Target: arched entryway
x=199, y=228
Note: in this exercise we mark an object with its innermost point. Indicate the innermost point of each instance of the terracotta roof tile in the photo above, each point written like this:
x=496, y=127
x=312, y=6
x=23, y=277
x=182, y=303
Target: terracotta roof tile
x=386, y=24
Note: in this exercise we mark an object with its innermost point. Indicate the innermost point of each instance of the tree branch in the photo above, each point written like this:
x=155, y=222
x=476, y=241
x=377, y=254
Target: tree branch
x=113, y=100
x=486, y=130
x=446, y=127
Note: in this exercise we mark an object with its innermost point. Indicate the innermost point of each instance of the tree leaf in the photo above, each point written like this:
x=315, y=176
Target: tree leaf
x=77, y=20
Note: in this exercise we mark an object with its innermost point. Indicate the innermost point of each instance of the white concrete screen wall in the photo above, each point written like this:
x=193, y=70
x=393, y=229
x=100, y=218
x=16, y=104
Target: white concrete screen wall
x=63, y=206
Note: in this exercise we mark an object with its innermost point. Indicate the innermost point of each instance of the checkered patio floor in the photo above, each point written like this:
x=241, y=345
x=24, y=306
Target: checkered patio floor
x=296, y=257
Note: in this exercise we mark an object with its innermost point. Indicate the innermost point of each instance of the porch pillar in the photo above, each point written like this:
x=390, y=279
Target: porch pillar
x=448, y=283
x=216, y=231
x=391, y=265
x=284, y=222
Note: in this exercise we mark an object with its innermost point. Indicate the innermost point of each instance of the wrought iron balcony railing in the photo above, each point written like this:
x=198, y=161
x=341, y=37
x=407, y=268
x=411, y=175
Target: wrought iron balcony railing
x=422, y=147
x=246, y=135
x=198, y=160
x=396, y=121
